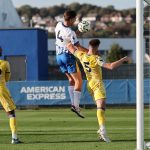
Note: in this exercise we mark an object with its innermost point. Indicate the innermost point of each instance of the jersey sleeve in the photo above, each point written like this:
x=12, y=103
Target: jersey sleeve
x=100, y=61
x=78, y=54
x=73, y=38
x=7, y=72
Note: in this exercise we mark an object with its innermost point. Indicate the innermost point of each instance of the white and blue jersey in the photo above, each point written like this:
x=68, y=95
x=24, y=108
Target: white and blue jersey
x=65, y=59
x=64, y=35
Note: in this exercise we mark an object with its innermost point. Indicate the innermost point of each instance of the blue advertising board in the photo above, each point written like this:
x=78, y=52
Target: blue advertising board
x=56, y=92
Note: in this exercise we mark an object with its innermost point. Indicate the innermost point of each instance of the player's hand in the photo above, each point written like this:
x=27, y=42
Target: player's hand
x=68, y=44
x=126, y=59
x=78, y=32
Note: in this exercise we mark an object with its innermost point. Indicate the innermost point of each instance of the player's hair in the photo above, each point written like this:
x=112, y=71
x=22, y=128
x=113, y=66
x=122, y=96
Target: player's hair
x=69, y=14
x=94, y=43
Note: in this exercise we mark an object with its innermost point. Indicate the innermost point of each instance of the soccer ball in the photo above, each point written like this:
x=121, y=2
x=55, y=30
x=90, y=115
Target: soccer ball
x=147, y=145
x=84, y=26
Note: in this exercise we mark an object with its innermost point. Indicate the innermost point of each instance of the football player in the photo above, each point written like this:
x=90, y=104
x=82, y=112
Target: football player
x=67, y=61
x=92, y=64
x=6, y=99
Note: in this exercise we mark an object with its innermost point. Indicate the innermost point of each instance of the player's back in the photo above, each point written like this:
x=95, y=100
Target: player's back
x=64, y=35
x=91, y=65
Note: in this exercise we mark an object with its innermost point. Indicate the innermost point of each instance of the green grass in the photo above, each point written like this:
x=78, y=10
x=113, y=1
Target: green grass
x=60, y=129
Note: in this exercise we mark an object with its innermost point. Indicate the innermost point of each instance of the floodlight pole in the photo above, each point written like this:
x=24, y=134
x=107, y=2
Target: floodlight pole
x=139, y=75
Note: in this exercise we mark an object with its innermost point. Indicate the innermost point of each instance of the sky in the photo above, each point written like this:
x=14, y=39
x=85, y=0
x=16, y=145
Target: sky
x=118, y=4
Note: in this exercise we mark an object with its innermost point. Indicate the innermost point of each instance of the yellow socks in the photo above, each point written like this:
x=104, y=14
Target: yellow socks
x=101, y=116
x=13, y=127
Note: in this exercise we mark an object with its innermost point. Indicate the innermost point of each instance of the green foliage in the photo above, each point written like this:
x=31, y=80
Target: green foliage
x=25, y=10
x=105, y=33
x=74, y=6
x=44, y=12
x=115, y=53
x=133, y=30
x=122, y=29
x=51, y=35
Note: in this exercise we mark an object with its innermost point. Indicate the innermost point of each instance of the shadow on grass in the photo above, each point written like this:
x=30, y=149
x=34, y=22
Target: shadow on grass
x=72, y=141
x=78, y=141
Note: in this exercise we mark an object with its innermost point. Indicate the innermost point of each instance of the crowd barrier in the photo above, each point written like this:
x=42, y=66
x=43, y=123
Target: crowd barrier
x=56, y=92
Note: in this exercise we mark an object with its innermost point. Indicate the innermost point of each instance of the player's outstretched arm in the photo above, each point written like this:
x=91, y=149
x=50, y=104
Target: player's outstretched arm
x=71, y=48
x=117, y=63
x=81, y=48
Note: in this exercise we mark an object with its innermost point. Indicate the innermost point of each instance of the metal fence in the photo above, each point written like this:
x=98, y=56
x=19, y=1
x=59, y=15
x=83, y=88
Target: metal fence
x=126, y=71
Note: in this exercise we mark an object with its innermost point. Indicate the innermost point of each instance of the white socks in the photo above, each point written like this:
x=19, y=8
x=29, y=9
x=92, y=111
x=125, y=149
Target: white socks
x=77, y=96
x=103, y=129
x=71, y=94
x=14, y=136
x=74, y=96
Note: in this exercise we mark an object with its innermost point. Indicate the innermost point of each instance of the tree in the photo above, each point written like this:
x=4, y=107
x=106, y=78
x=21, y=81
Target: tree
x=133, y=30
x=74, y=6
x=115, y=53
x=25, y=10
x=44, y=12
x=56, y=10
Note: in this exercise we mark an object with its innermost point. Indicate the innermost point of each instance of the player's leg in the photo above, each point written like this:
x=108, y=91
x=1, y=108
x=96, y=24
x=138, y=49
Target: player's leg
x=9, y=107
x=100, y=106
x=71, y=88
x=73, y=70
x=73, y=95
x=101, y=120
x=101, y=114
x=77, y=88
x=12, y=123
x=13, y=127
x=62, y=60
x=77, y=93
x=100, y=96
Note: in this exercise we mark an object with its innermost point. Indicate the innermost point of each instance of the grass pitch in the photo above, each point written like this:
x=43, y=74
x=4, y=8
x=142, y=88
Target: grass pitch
x=61, y=129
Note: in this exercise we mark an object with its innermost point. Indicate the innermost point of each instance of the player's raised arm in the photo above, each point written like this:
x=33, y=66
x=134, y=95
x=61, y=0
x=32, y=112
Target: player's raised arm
x=81, y=48
x=116, y=64
x=71, y=48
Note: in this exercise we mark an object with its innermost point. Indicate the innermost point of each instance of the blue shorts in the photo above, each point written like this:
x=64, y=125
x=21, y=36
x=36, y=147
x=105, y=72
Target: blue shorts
x=67, y=63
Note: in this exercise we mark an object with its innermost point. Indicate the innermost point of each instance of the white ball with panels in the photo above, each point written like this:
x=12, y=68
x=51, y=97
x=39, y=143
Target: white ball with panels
x=84, y=26
x=147, y=145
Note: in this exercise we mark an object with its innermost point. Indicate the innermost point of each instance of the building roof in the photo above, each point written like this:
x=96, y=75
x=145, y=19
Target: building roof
x=9, y=17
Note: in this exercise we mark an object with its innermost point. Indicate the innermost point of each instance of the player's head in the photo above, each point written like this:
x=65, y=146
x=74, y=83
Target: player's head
x=1, y=51
x=93, y=45
x=69, y=17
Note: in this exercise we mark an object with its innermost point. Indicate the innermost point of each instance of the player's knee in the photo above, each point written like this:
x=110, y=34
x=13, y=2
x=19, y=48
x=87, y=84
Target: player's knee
x=78, y=86
x=11, y=113
x=71, y=82
x=102, y=108
x=100, y=103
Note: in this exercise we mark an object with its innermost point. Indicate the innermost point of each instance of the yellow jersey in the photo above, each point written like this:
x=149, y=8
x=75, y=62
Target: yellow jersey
x=4, y=72
x=92, y=67
x=91, y=64
x=5, y=97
